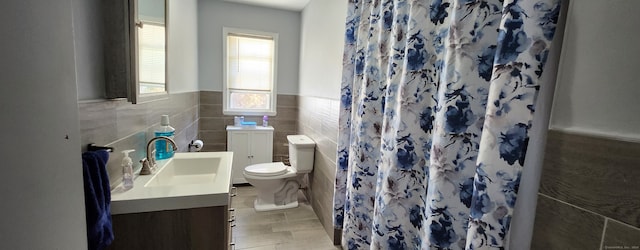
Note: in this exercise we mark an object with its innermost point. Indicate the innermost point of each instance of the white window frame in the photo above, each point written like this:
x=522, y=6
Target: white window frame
x=225, y=89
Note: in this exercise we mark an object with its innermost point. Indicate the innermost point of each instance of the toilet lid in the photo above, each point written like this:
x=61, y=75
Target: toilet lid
x=266, y=169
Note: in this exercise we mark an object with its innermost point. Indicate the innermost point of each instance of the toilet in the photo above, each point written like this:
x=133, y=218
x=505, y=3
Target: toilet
x=278, y=184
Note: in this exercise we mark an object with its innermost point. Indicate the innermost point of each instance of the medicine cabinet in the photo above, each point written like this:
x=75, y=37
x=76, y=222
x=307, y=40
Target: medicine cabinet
x=135, y=49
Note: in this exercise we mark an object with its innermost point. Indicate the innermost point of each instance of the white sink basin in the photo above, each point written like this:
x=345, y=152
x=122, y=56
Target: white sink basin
x=186, y=169
x=188, y=180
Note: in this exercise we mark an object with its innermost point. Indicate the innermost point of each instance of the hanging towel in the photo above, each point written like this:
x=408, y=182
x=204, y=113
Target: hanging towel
x=97, y=199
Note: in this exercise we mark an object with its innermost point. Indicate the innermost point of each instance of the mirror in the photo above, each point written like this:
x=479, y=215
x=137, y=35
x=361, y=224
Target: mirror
x=135, y=49
x=151, y=48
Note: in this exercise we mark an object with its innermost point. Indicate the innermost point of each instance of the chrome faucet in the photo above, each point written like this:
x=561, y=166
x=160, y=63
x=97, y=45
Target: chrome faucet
x=149, y=162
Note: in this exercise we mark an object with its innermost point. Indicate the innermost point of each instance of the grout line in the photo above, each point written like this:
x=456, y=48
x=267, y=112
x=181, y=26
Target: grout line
x=604, y=230
x=127, y=136
x=598, y=135
x=606, y=218
x=624, y=224
x=571, y=205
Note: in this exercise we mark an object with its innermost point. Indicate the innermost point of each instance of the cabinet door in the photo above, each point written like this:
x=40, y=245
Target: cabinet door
x=238, y=143
x=261, y=147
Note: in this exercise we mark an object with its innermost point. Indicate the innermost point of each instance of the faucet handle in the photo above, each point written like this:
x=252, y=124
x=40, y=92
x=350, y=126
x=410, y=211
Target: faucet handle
x=146, y=169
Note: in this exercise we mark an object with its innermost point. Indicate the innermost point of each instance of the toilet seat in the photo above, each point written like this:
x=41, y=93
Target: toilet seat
x=266, y=169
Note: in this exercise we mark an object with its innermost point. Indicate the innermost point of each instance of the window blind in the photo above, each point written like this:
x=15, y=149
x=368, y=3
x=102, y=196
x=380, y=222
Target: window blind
x=250, y=62
x=151, y=44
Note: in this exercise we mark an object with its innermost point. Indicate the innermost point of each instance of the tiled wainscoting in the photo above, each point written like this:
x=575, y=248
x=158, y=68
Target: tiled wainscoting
x=319, y=120
x=589, y=194
x=213, y=123
x=122, y=125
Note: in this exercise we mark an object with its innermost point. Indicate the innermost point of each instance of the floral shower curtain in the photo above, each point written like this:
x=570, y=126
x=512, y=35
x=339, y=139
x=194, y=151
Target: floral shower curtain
x=437, y=101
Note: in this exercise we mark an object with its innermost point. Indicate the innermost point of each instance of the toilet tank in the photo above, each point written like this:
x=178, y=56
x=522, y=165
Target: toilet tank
x=301, y=152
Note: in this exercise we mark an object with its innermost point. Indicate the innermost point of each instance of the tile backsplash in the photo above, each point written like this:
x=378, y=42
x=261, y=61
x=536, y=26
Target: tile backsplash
x=318, y=119
x=589, y=196
x=213, y=123
x=122, y=125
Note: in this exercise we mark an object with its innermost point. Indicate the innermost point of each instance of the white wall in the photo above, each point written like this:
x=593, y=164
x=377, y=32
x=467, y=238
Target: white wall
x=183, y=46
x=87, y=25
x=213, y=15
x=322, y=44
x=42, y=192
x=598, y=88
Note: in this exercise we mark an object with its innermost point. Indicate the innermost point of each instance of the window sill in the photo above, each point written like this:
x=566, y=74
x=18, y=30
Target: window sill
x=249, y=113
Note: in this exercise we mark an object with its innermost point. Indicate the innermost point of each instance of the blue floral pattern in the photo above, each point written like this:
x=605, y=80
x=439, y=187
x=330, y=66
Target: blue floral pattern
x=437, y=101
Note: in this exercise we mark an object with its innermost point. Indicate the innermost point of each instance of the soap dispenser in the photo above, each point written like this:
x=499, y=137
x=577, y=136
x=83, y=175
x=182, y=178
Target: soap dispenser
x=127, y=169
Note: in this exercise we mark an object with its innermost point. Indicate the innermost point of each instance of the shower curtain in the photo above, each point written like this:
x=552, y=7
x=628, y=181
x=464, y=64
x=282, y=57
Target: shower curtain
x=437, y=100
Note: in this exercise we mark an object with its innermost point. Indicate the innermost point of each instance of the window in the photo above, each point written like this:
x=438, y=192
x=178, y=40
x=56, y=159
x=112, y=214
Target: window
x=249, y=72
x=151, y=60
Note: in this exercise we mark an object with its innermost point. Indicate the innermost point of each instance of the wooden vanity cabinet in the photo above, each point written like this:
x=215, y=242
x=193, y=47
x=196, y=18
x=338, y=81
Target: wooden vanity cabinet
x=194, y=228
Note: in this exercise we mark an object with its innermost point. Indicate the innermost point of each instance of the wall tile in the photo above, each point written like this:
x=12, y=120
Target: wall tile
x=280, y=138
x=192, y=131
x=211, y=97
x=286, y=113
x=288, y=101
x=281, y=148
x=211, y=110
x=137, y=141
x=621, y=236
x=327, y=148
x=214, y=147
x=319, y=120
x=181, y=120
x=321, y=191
x=130, y=118
x=599, y=175
x=212, y=123
x=284, y=125
x=212, y=120
x=123, y=125
x=561, y=226
x=98, y=122
x=182, y=141
x=213, y=136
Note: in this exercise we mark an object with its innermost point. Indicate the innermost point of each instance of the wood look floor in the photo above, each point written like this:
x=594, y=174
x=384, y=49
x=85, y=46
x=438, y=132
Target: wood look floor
x=296, y=228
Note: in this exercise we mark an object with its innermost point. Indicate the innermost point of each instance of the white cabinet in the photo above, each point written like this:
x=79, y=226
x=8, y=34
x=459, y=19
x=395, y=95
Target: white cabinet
x=249, y=146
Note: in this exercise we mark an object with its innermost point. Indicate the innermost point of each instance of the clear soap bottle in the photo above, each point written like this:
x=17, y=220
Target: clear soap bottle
x=127, y=169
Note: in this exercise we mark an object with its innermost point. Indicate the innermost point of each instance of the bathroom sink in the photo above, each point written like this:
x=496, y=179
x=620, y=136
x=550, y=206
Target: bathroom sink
x=188, y=180
x=186, y=169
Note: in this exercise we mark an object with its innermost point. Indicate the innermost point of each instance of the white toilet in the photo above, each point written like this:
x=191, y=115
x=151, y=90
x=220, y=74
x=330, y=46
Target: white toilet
x=276, y=183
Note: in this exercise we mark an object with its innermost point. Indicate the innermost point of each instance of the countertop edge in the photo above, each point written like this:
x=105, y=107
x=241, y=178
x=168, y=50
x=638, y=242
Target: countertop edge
x=169, y=203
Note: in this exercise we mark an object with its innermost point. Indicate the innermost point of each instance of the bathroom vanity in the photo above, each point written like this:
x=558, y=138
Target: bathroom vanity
x=251, y=145
x=183, y=205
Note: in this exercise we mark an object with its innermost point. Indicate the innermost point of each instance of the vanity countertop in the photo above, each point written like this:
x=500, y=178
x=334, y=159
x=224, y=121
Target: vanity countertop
x=177, y=188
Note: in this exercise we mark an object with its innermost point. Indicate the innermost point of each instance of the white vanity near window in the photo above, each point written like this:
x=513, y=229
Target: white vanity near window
x=250, y=145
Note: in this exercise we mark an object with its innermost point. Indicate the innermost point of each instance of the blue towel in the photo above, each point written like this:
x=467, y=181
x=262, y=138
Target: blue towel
x=97, y=199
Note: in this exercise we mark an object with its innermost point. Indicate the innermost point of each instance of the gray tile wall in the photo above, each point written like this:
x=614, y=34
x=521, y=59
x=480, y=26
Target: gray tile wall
x=122, y=125
x=589, y=194
x=213, y=123
x=319, y=120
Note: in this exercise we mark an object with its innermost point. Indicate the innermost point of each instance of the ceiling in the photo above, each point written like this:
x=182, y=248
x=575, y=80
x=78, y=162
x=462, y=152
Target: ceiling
x=294, y=5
